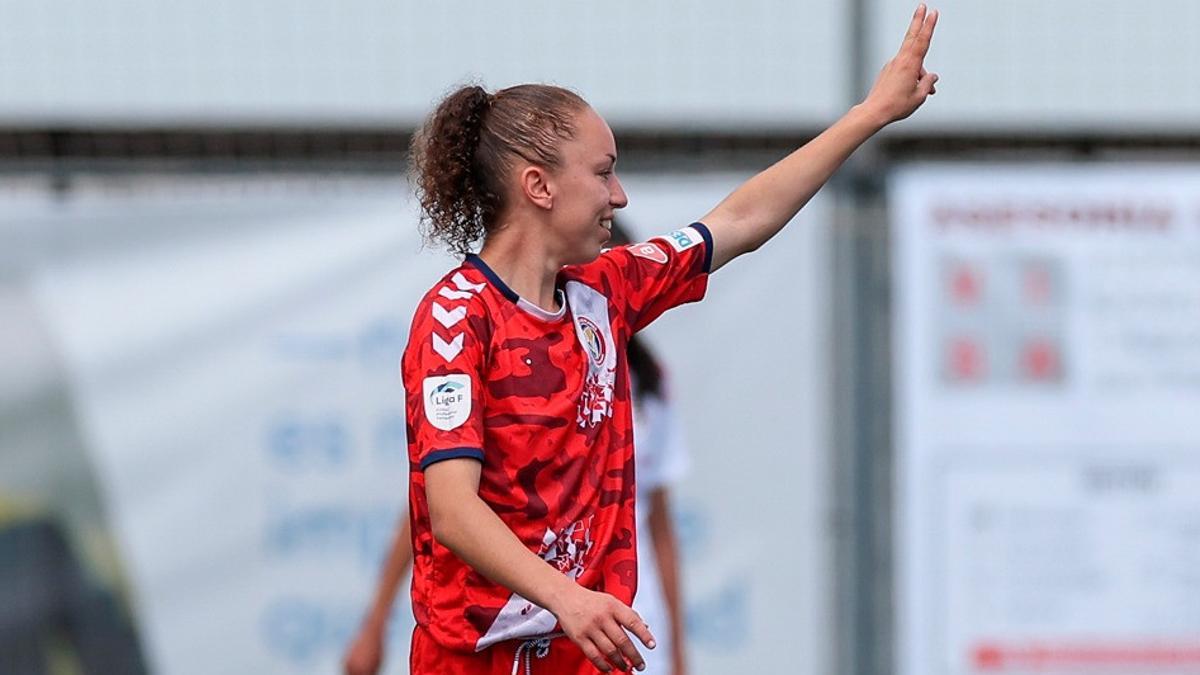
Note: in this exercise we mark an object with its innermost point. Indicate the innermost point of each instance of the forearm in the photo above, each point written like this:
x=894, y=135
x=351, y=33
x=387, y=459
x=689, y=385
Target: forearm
x=666, y=552
x=474, y=533
x=397, y=564
x=669, y=573
x=760, y=208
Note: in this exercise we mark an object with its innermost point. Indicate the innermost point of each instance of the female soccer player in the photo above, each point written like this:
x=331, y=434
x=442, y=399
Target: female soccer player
x=661, y=458
x=517, y=389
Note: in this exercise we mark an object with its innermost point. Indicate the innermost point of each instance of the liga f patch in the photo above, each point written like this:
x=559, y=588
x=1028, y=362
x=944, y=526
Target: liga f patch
x=682, y=240
x=447, y=400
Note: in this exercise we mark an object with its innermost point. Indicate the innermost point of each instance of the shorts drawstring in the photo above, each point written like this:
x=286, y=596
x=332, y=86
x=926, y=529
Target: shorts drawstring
x=536, y=646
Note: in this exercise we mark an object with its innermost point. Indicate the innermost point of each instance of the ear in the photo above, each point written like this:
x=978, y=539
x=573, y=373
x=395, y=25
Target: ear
x=536, y=186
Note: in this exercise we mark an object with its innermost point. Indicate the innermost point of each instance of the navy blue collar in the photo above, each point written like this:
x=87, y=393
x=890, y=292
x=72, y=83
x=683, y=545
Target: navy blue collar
x=477, y=262
x=525, y=305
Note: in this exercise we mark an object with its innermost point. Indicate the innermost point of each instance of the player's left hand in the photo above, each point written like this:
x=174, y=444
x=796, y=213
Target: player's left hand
x=904, y=84
x=601, y=625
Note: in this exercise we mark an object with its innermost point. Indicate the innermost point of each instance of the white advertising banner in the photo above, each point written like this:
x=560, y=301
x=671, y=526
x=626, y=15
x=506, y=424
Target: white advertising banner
x=1047, y=378
x=233, y=351
x=233, y=355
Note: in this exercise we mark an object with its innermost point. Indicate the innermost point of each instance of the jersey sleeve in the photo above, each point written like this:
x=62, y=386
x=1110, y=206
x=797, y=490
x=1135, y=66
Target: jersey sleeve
x=443, y=371
x=661, y=273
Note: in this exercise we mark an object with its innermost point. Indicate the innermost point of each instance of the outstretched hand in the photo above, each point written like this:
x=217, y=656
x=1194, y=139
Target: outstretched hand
x=904, y=84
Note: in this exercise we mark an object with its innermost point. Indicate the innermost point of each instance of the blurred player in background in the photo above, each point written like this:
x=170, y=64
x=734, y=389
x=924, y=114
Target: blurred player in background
x=661, y=459
x=519, y=419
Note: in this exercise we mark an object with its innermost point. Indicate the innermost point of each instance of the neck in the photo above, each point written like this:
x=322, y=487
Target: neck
x=525, y=263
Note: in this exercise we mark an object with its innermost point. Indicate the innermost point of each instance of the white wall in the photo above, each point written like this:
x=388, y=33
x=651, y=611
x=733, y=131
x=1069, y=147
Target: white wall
x=382, y=62
x=1047, y=66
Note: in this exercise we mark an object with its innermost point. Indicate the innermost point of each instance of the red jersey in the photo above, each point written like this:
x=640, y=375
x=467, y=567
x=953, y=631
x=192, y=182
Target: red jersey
x=542, y=401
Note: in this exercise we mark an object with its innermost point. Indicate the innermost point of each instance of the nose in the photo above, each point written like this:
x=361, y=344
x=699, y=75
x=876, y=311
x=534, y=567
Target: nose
x=616, y=194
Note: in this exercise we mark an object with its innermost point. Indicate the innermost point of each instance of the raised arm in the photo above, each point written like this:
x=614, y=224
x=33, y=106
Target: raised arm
x=758, y=209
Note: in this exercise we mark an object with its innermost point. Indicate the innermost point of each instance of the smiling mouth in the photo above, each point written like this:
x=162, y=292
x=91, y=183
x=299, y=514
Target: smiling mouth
x=606, y=223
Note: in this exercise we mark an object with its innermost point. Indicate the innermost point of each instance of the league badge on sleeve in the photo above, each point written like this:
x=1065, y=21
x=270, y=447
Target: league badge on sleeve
x=682, y=240
x=447, y=400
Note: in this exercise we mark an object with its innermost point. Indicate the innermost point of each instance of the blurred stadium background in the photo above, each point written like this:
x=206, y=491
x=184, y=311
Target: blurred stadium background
x=945, y=424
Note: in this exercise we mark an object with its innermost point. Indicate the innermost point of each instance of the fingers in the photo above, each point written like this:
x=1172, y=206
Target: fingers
x=609, y=652
x=600, y=632
x=614, y=646
x=594, y=655
x=914, y=26
x=926, y=85
x=626, y=650
x=634, y=624
x=924, y=37
x=920, y=32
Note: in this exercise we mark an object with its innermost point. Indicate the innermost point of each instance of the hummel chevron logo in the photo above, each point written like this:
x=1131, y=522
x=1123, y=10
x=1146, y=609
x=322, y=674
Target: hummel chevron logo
x=450, y=349
x=448, y=317
x=454, y=295
x=464, y=285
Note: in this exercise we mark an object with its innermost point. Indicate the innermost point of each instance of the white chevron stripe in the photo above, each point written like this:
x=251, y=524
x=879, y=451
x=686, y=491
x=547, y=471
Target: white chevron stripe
x=450, y=349
x=448, y=317
x=453, y=295
x=464, y=285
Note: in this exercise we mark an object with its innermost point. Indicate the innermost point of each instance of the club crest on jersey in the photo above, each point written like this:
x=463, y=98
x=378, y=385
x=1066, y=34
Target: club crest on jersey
x=592, y=338
x=682, y=240
x=595, y=335
x=649, y=252
x=447, y=400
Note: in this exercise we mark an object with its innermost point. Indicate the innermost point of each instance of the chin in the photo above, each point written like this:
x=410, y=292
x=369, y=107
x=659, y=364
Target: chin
x=587, y=255
x=584, y=259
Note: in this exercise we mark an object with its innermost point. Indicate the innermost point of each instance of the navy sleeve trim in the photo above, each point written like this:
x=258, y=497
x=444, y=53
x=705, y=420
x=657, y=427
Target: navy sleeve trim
x=451, y=453
x=708, y=245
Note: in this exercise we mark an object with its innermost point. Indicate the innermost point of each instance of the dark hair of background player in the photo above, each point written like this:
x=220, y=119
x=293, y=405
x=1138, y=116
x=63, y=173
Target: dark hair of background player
x=647, y=373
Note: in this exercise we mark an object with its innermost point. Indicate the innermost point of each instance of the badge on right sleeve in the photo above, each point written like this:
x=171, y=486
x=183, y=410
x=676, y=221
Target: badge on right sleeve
x=447, y=400
x=649, y=251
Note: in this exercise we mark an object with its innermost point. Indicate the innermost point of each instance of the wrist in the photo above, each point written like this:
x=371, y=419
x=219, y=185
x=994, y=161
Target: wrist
x=376, y=620
x=869, y=115
x=560, y=593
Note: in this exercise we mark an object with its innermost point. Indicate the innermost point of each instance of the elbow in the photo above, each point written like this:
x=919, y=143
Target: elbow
x=754, y=230
x=444, y=528
x=736, y=247
x=750, y=245
x=746, y=233
x=447, y=524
